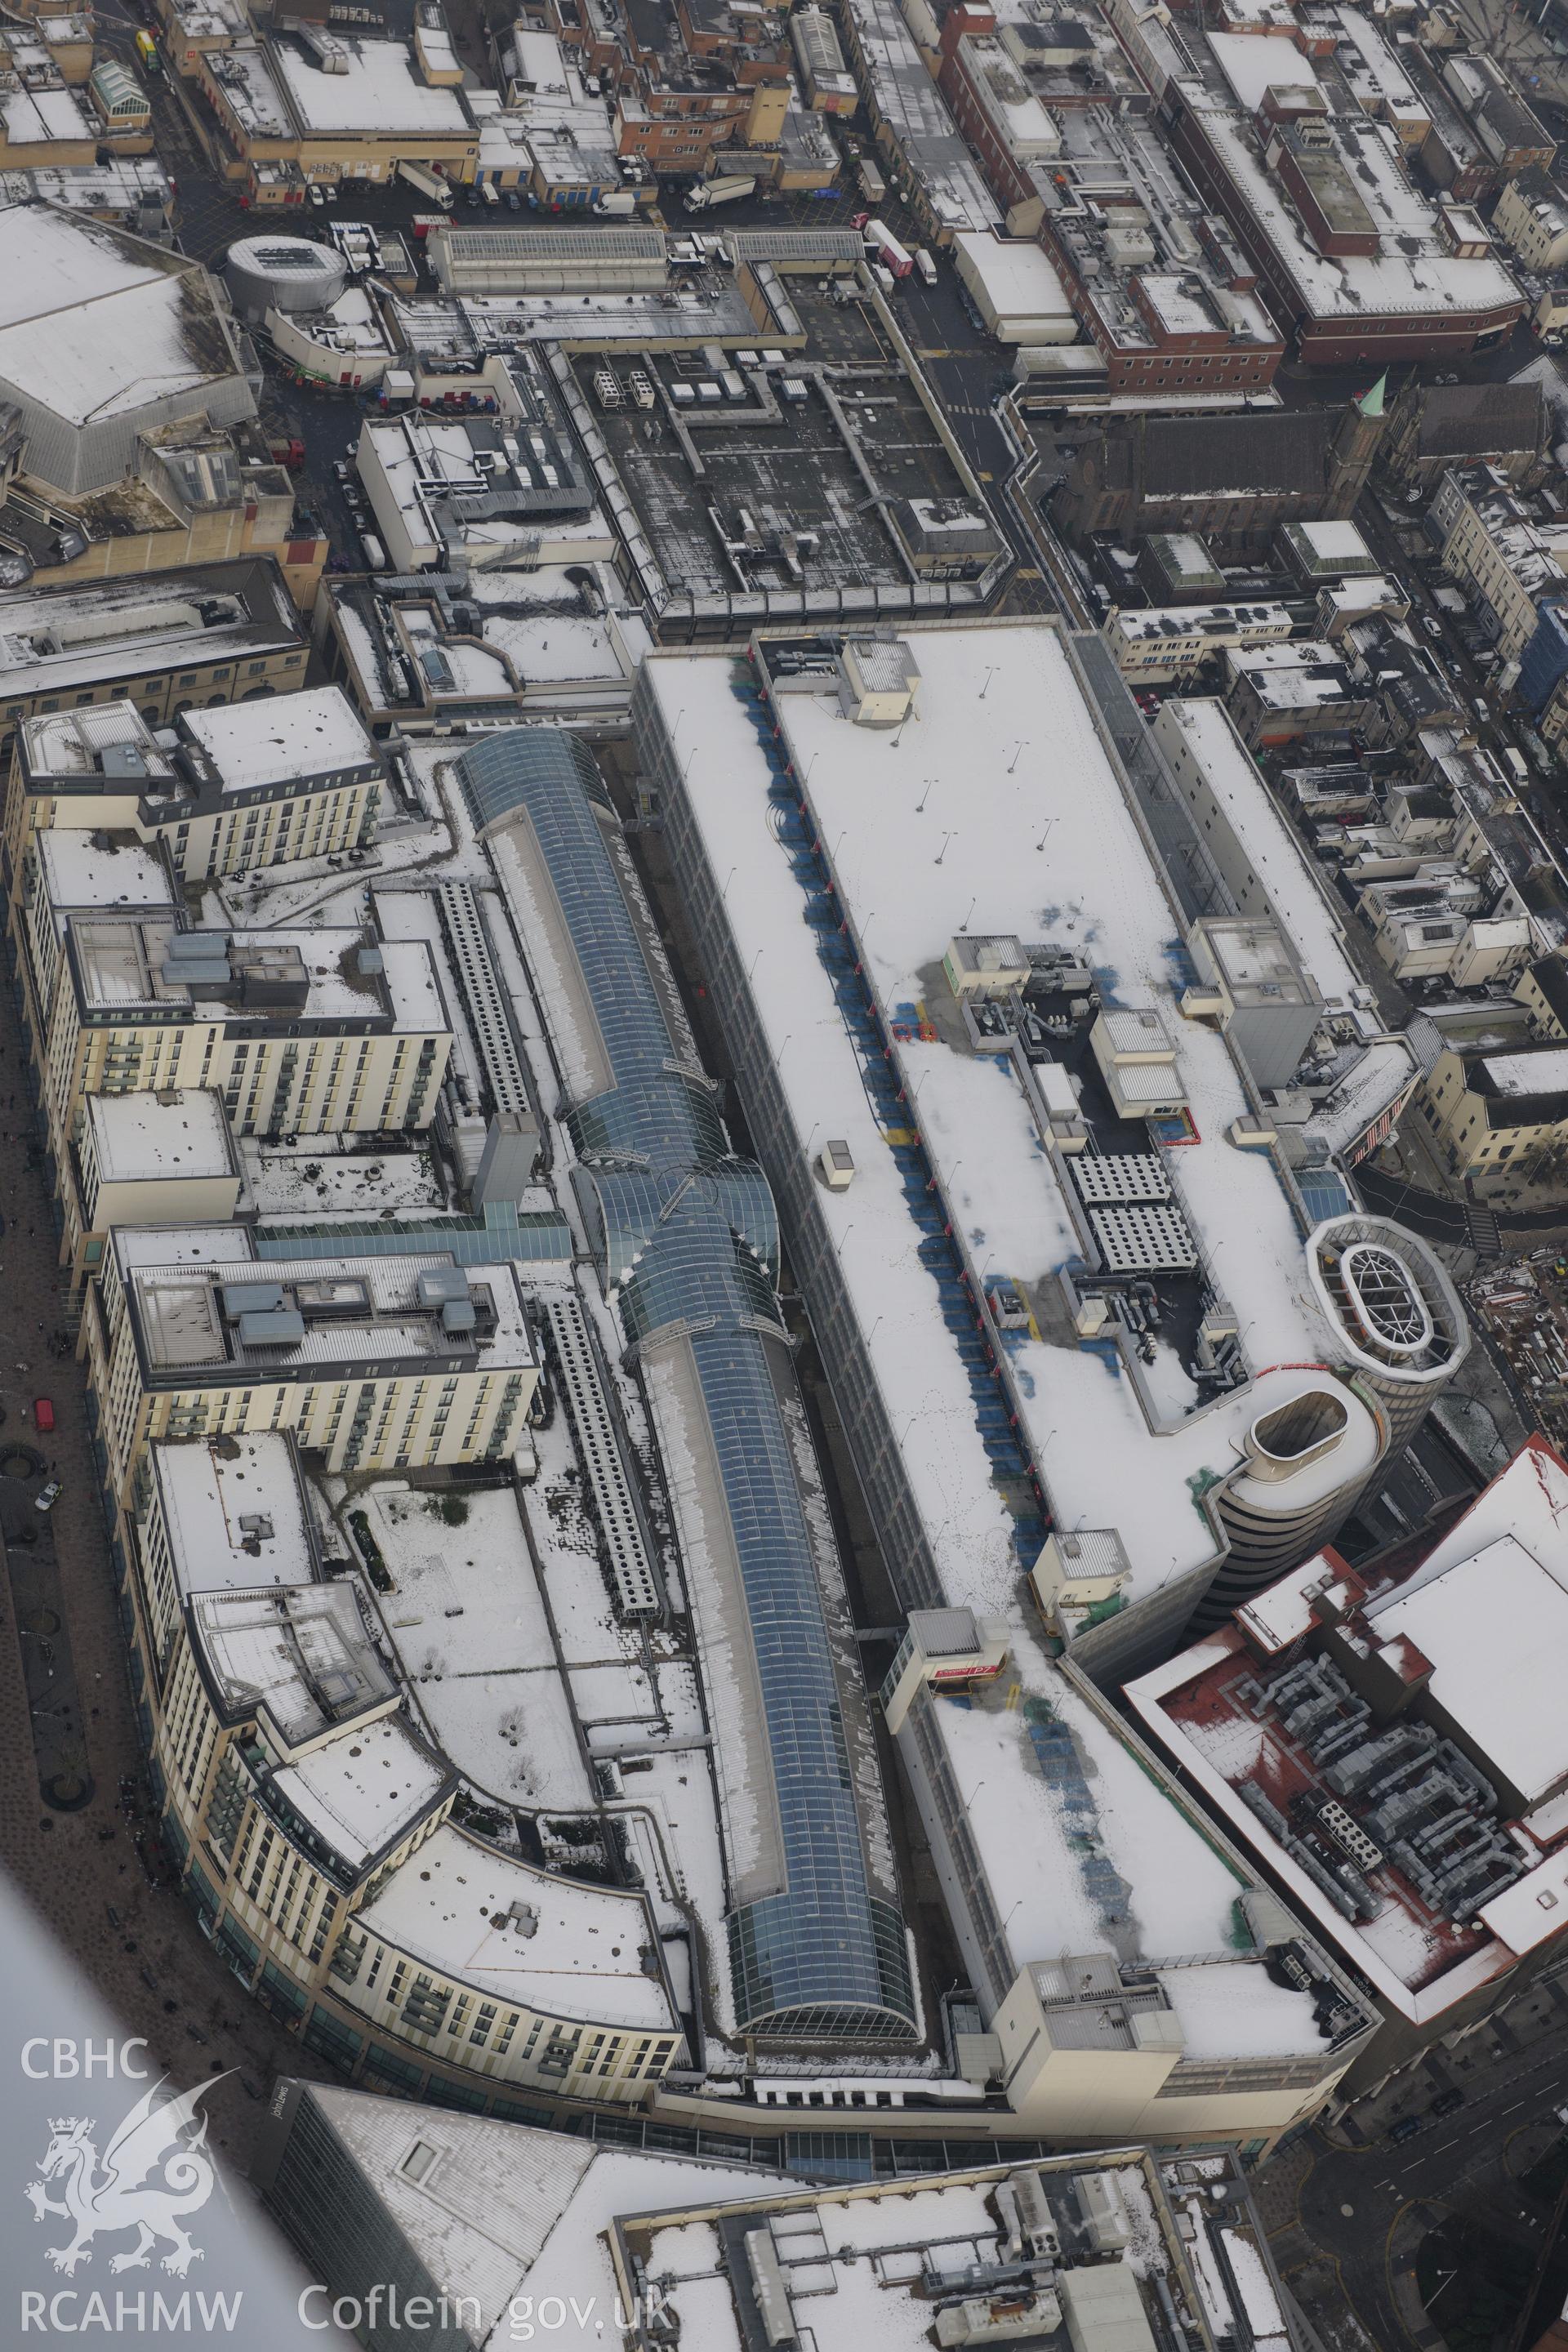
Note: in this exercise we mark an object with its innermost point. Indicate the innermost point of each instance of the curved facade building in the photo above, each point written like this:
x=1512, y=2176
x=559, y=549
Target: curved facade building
x=687, y=1235
x=1307, y=1456
x=308, y=1813
x=283, y=273
x=1396, y=1314
x=1397, y=1335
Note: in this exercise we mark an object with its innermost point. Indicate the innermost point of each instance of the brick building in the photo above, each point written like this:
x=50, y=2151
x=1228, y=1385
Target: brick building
x=1354, y=261
x=1233, y=477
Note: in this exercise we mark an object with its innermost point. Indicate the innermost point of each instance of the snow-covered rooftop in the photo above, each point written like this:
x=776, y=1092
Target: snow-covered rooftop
x=1206, y=623
x=300, y=1656
x=474, y=1642
x=290, y=738
x=333, y=1176
x=121, y=966
x=453, y=1906
x=84, y=869
x=1017, y=274
x=140, y=1137
x=1490, y=1598
x=363, y=1791
x=44, y=118
x=95, y=323
x=1412, y=272
x=1541, y=1071
x=501, y=2213
x=1494, y=1629
x=916, y=117
x=1203, y=729
x=56, y=640
x=993, y=808
x=1294, y=677
x=860, y=2260
x=374, y=87
x=382, y=1320
x=235, y=1513
x=1335, y=542
x=1179, y=1893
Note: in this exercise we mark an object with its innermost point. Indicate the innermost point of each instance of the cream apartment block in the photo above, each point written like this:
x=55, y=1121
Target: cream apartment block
x=311, y=1815
x=1506, y=557
x=134, y=1158
x=1532, y=218
x=1497, y=1118
x=371, y=1363
x=302, y=1033
x=271, y=1033
x=240, y=789
x=144, y=1160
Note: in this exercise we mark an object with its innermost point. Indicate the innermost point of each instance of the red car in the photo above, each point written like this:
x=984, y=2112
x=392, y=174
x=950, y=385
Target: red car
x=43, y=1415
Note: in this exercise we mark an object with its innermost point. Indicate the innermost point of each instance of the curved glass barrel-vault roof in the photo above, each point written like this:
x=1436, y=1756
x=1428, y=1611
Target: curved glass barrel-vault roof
x=689, y=1236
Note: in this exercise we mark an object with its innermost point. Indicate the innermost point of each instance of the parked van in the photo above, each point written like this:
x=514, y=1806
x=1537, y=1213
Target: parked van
x=375, y=553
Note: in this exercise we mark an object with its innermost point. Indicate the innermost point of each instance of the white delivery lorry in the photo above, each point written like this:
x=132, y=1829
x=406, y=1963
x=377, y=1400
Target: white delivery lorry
x=708, y=193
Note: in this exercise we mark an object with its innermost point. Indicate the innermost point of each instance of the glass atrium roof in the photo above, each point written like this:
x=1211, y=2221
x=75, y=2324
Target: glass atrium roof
x=688, y=1233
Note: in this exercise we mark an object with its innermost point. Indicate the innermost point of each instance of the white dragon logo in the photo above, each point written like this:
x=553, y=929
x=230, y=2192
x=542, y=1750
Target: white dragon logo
x=124, y=2195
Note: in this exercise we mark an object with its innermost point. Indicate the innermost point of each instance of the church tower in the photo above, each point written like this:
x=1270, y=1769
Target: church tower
x=1353, y=450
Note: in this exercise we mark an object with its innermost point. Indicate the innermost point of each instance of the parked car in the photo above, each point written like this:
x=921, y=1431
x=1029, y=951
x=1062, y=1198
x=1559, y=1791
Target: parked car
x=1406, y=2128
x=49, y=1495
x=514, y=202
x=1448, y=2102
x=1433, y=625
x=317, y=198
x=43, y=1415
